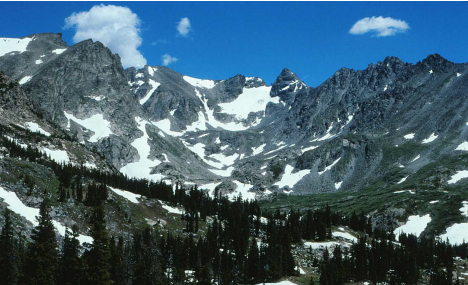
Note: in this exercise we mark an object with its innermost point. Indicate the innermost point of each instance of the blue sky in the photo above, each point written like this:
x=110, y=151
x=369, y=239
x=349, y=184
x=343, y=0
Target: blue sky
x=312, y=39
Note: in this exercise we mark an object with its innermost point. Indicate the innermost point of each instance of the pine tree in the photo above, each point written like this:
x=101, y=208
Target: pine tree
x=99, y=257
x=8, y=254
x=71, y=267
x=41, y=260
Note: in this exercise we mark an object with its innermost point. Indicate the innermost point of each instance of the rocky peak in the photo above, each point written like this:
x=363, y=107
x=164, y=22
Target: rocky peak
x=286, y=86
x=436, y=63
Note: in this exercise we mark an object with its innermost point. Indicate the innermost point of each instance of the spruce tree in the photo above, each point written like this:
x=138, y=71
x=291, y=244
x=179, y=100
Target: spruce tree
x=71, y=267
x=41, y=260
x=99, y=257
x=8, y=254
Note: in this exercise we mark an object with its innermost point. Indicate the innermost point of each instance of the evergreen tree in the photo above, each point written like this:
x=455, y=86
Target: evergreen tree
x=71, y=267
x=8, y=254
x=98, y=259
x=42, y=255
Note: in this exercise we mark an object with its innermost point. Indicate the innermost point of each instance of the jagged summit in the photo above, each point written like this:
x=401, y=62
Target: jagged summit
x=229, y=129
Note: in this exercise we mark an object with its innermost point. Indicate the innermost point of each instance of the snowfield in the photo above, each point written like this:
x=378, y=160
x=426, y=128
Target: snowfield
x=203, y=83
x=33, y=127
x=170, y=209
x=95, y=123
x=57, y=155
x=15, y=204
x=258, y=150
x=290, y=179
x=132, y=197
x=463, y=146
x=210, y=187
x=8, y=45
x=456, y=233
x=251, y=100
x=241, y=189
x=415, y=225
x=458, y=176
x=142, y=168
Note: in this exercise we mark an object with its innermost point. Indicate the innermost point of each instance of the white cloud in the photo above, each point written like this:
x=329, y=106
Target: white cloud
x=381, y=26
x=167, y=59
x=114, y=26
x=184, y=26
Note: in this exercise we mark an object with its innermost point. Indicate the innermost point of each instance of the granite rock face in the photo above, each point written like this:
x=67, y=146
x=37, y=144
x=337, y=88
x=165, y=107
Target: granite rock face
x=358, y=128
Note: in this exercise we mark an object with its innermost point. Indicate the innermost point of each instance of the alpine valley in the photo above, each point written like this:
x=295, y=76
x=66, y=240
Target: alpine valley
x=375, y=152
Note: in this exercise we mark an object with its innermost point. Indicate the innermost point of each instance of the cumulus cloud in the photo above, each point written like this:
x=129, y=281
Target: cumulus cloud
x=115, y=26
x=184, y=27
x=380, y=26
x=167, y=59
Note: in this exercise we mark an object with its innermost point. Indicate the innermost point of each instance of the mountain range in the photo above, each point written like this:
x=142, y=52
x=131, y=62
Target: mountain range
x=393, y=126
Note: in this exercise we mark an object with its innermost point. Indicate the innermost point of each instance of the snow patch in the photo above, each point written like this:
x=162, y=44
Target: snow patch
x=57, y=155
x=258, y=150
x=317, y=245
x=170, y=209
x=338, y=185
x=154, y=86
x=458, y=176
x=151, y=70
x=210, y=187
x=33, y=127
x=25, y=80
x=290, y=179
x=250, y=101
x=329, y=167
x=224, y=172
x=416, y=158
x=458, y=74
x=132, y=197
x=347, y=236
x=464, y=209
x=39, y=61
x=142, y=168
x=95, y=123
x=241, y=189
x=8, y=45
x=203, y=83
x=456, y=233
x=431, y=138
x=402, y=180
x=15, y=204
x=409, y=136
x=433, y=202
x=59, y=50
x=165, y=126
x=463, y=146
x=403, y=191
x=415, y=225
x=308, y=148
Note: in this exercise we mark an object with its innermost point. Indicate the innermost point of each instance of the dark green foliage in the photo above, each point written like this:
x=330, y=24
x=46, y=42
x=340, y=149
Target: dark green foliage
x=41, y=261
x=98, y=258
x=71, y=266
x=9, y=254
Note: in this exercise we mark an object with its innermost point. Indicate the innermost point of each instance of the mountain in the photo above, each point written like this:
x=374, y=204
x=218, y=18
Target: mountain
x=391, y=127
